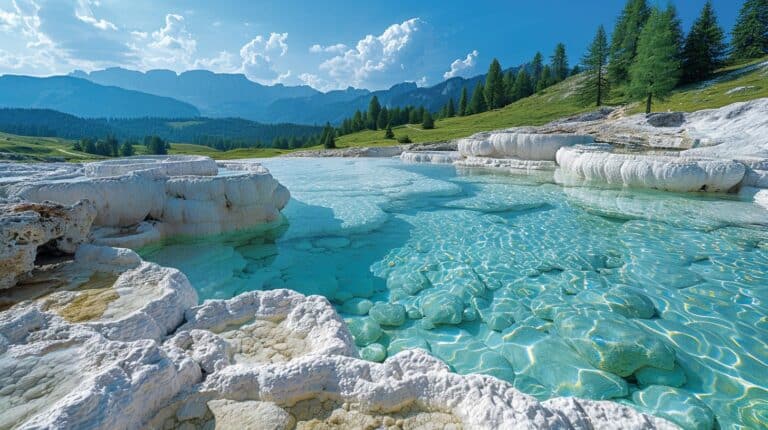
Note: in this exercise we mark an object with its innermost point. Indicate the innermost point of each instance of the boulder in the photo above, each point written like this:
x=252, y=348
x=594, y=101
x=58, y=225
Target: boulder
x=388, y=314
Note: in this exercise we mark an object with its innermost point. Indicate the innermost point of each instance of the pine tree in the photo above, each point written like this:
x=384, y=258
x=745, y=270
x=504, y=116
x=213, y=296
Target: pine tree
x=427, y=123
x=126, y=149
x=374, y=109
x=389, y=134
x=522, y=87
x=750, y=34
x=559, y=63
x=624, y=39
x=477, y=103
x=463, y=102
x=704, y=47
x=383, y=119
x=676, y=27
x=509, y=83
x=537, y=68
x=545, y=80
x=451, y=109
x=656, y=69
x=329, y=136
x=494, y=86
x=595, y=85
x=77, y=146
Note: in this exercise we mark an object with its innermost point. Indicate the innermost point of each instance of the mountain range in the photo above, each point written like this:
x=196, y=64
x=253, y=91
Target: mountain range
x=122, y=93
x=233, y=95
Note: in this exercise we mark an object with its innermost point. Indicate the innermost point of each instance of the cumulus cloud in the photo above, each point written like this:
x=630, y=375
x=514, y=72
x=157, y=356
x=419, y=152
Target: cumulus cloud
x=460, y=67
x=258, y=58
x=379, y=61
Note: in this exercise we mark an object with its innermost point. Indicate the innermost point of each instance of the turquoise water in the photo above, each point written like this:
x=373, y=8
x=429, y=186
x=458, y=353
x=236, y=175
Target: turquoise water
x=655, y=299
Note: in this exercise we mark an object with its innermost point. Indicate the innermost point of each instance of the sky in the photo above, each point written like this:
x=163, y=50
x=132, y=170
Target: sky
x=327, y=44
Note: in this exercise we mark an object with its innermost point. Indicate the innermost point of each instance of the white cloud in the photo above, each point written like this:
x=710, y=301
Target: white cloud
x=382, y=60
x=171, y=46
x=461, y=67
x=258, y=58
x=223, y=62
x=331, y=49
x=84, y=13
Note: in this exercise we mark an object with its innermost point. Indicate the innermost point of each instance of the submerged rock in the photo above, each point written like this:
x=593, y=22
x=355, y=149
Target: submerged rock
x=365, y=330
x=441, y=308
x=612, y=343
x=676, y=405
x=388, y=314
x=564, y=372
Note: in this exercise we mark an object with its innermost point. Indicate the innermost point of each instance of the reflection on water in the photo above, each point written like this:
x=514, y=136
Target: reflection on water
x=655, y=299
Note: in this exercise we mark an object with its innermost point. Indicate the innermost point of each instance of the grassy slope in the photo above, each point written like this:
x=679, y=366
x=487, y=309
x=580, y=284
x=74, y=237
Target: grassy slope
x=559, y=101
x=555, y=102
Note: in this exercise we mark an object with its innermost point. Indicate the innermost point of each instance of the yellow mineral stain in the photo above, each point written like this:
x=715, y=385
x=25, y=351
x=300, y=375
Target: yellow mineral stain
x=93, y=299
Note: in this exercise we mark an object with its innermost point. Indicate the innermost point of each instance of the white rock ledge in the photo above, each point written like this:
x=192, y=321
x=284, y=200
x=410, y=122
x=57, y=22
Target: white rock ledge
x=512, y=164
x=176, y=195
x=524, y=146
x=435, y=157
x=596, y=163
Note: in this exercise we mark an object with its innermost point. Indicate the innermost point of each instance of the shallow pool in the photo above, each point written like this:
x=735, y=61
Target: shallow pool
x=656, y=299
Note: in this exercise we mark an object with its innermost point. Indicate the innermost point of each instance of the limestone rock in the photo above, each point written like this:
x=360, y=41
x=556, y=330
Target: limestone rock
x=598, y=164
x=436, y=157
x=676, y=405
x=524, y=146
x=388, y=314
x=26, y=226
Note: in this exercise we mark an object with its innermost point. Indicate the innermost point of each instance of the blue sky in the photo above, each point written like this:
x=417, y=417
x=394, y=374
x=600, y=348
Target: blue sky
x=326, y=44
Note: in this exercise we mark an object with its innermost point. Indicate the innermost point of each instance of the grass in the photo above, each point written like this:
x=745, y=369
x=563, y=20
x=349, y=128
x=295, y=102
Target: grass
x=729, y=85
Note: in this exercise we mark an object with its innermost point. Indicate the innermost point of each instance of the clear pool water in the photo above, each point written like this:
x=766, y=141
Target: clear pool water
x=651, y=298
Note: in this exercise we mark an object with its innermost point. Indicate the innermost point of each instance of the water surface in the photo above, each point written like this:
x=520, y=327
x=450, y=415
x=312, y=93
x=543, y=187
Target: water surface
x=651, y=298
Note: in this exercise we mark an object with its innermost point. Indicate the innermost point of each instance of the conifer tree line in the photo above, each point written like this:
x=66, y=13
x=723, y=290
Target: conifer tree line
x=111, y=147
x=649, y=54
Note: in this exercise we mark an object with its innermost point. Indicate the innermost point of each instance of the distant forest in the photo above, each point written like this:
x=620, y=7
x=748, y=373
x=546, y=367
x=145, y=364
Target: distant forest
x=220, y=133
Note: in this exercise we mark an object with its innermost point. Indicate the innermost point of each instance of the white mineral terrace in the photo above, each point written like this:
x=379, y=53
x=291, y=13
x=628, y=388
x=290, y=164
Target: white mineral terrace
x=104, y=340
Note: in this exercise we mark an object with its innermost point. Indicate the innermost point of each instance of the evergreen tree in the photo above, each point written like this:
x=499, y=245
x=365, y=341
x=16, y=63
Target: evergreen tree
x=624, y=39
x=704, y=47
x=522, y=87
x=329, y=135
x=477, y=103
x=463, y=102
x=559, y=63
x=656, y=69
x=595, y=85
x=383, y=119
x=413, y=117
x=494, y=86
x=77, y=146
x=750, y=34
x=676, y=27
x=509, y=83
x=451, y=109
x=427, y=123
x=357, y=121
x=126, y=149
x=89, y=146
x=576, y=70
x=545, y=80
x=389, y=134
x=374, y=109
x=537, y=68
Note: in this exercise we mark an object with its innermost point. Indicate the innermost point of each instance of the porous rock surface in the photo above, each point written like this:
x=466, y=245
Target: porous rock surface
x=163, y=196
x=26, y=226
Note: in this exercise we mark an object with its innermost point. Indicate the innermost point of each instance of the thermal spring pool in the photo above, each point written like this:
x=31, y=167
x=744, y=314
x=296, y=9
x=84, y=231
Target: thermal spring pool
x=656, y=299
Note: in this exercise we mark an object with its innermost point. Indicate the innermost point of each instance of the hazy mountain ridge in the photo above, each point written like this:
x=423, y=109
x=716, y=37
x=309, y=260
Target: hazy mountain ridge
x=87, y=99
x=233, y=95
